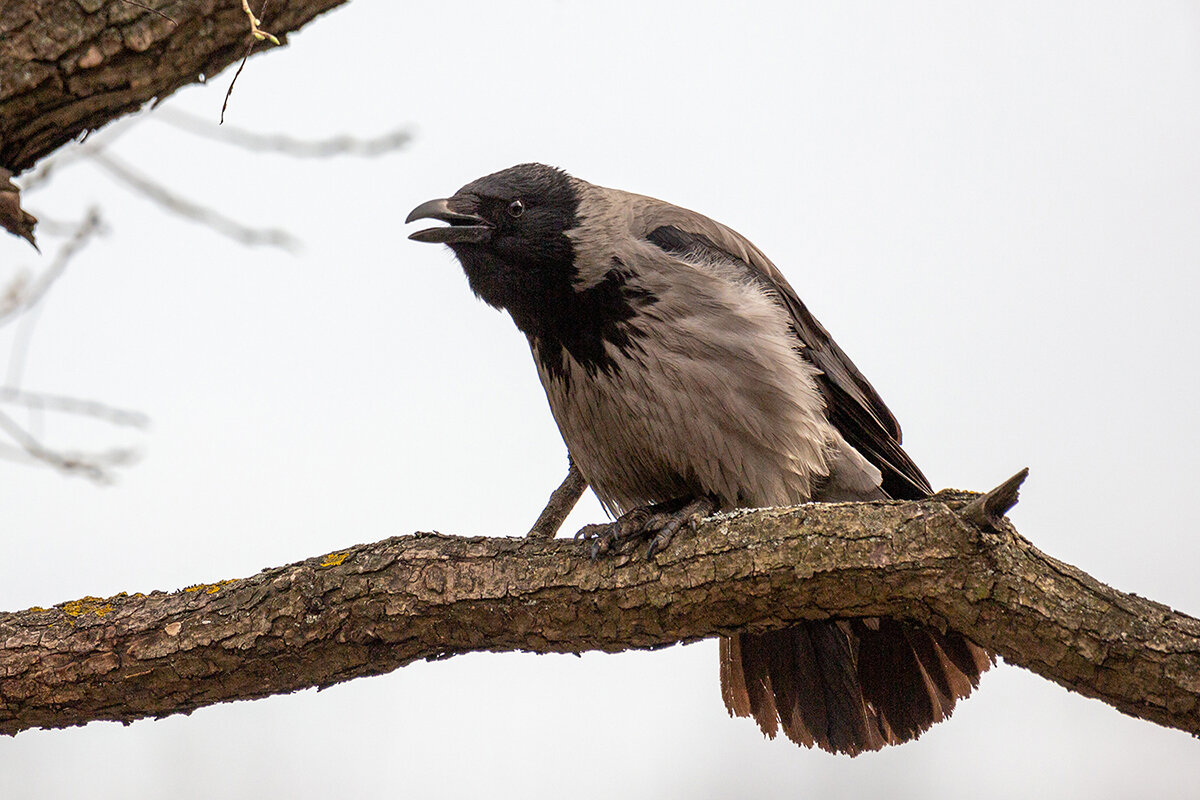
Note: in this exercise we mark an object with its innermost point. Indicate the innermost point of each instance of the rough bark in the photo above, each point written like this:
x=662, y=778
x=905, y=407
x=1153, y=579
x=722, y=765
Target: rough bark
x=70, y=66
x=372, y=608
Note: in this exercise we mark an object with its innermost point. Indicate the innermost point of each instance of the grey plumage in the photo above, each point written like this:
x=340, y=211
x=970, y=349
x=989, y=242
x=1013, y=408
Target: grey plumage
x=679, y=364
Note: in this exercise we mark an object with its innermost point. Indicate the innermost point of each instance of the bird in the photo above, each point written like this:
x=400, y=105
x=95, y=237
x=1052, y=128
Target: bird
x=687, y=377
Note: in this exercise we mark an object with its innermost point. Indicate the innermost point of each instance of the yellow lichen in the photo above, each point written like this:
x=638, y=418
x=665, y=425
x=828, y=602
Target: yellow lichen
x=86, y=605
x=207, y=588
x=335, y=559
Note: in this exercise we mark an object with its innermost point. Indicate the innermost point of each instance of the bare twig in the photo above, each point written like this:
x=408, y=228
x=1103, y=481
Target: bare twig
x=561, y=501
x=16, y=303
x=285, y=145
x=49, y=167
x=255, y=31
x=232, y=83
x=94, y=466
x=258, y=35
x=195, y=212
x=73, y=405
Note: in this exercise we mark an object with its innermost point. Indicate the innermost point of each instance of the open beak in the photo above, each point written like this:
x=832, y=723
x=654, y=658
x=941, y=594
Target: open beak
x=463, y=228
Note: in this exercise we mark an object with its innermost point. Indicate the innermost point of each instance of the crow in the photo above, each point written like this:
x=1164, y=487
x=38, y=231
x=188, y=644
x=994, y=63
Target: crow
x=686, y=377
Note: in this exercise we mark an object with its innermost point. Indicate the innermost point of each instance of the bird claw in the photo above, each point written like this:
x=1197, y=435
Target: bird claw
x=659, y=523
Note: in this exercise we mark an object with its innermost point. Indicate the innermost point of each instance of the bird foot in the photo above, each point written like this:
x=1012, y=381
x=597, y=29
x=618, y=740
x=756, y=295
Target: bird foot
x=658, y=522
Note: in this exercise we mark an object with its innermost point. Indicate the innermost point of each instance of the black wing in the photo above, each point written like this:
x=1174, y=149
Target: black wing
x=854, y=406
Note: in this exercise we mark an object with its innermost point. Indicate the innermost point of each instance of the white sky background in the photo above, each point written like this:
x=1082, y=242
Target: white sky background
x=995, y=208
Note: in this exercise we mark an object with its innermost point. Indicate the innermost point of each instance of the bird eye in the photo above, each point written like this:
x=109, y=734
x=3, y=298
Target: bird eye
x=516, y=208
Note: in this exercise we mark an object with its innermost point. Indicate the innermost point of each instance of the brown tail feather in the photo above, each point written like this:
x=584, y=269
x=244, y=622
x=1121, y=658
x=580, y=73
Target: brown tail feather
x=849, y=686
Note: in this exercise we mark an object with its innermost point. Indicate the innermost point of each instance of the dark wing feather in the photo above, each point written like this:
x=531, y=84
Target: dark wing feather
x=851, y=685
x=854, y=406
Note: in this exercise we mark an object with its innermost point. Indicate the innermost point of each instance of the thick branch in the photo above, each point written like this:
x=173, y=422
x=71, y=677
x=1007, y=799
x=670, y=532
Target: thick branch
x=372, y=608
x=70, y=66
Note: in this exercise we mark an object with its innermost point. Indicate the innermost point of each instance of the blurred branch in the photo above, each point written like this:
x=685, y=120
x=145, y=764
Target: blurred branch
x=369, y=609
x=285, y=145
x=73, y=405
x=94, y=465
x=182, y=207
x=81, y=151
x=18, y=298
x=19, y=301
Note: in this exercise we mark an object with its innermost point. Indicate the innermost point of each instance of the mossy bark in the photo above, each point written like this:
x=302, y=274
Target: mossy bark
x=371, y=608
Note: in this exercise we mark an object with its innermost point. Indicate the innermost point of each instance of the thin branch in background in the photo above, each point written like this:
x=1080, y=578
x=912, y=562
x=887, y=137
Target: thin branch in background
x=94, y=466
x=22, y=301
x=17, y=302
x=285, y=145
x=21, y=297
x=74, y=405
x=185, y=208
x=80, y=151
x=19, y=352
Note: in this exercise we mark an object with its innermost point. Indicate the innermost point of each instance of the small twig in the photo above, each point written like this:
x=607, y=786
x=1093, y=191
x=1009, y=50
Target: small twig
x=561, y=501
x=236, y=75
x=255, y=31
x=192, y=211
x=259, y=35
x=93, y=466
x=73, y=405
x=988, y=510
x=81, y=150
x=286, y=145
x=33, y=295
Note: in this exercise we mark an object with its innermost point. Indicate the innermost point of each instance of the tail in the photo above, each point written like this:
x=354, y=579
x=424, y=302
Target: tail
x=849, y=685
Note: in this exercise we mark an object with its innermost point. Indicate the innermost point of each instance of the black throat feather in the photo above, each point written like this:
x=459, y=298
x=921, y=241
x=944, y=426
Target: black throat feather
x=581, y=324
x=527, y=267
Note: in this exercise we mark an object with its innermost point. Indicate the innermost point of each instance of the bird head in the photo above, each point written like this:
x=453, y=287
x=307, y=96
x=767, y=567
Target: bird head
x=509, y=232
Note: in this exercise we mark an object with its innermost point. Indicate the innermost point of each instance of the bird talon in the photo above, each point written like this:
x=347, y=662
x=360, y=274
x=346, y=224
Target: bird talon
x=653, y=548
x=589, y=532
x=658, y=523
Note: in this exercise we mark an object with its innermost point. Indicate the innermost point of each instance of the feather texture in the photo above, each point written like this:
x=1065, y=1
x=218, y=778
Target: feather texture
x=678, y=362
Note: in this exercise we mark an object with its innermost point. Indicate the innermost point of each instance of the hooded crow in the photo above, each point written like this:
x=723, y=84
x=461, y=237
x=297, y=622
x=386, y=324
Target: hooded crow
x=686, y=376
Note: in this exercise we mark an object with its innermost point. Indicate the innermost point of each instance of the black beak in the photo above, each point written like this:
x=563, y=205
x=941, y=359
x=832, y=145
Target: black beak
x=464, y=228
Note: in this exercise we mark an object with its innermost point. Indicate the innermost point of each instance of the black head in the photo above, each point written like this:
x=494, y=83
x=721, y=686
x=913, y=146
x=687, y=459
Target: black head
x=508, y=230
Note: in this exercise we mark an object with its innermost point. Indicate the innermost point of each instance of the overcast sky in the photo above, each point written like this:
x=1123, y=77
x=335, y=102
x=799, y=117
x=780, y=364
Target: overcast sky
x=994, y=208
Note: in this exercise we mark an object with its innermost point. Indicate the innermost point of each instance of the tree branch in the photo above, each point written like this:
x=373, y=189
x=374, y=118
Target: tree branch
x=562, y=501
x=372, y=608
x=70, y=66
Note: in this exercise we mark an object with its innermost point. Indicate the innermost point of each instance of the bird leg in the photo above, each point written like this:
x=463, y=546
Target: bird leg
x=657, y=522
